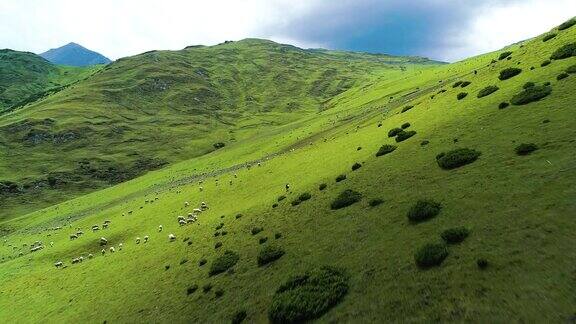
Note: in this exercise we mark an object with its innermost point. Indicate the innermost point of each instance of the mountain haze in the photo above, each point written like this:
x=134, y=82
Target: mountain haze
x=73, y=54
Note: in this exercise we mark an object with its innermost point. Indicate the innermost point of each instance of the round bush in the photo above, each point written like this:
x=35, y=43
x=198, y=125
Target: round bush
x=224, y=262
x=202, y=262
x=571, y=69
x=405, y=125
x=405, y=109
x=394, y=131
x=309, y=296
x=525, y=148
x=430, y=255
x=461, y=95
x=322, y=186
x=562, y=75
x=239, y=317
x=263, y=240
x=457, y=158
x=455, y=235
x=509, y=73
x=255, y=230
x=482, y=263
x=346, y=198
x=487, y=91
x=217, y=245
x=423, y=210
x=278, y=235
x=548, y=37
x=403, y=135
x=530, y=95
x=269, y=253
x=503, y=105
x=564, y=52
x=341, y=177
x=375, y=202
x=356, y=166
x=192, y=289
x=567, y=24
x=504, y=55
x=385, y=149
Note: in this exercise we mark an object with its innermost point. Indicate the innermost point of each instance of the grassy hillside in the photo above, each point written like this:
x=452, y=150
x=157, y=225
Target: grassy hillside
x=143, y=112
x=26, y=77
x=516, y=264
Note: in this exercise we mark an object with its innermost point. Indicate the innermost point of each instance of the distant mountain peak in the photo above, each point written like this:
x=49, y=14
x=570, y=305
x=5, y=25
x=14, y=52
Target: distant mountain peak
x=74, y=54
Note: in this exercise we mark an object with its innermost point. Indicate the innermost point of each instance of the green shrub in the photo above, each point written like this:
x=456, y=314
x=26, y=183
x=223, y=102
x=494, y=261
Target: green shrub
x=274, y=205
x=530, y=95
x=487, y=91
x=183, y=261
x=238, y=216
x=167, y=267
x=278, y=235
x=304, y=196
x=503, y=105
x=217, y=245
x=375, y=202
x=255, y=230
x=322, y=186
x=239, y=317
x=309, y=296
x=545, y=63
x=394, y=131
x=263, y=240
x=269, y=253
x=356, y=166
x=219, y=293
x=455, y=235
x=403, y=135
x=571, y=69
x=548, y=37
x=457, y=158
x=482, y=263
x=218, y=145
x=224, y=263
x=281, y=198
x=202, y=262
x=430, y=255
x=461, y=95
x=405, y=109
x=528, y=85
x=220, y=226
x=465, y=84
x=423, y=210
x=405, y=125
x=457, y=84
x=295, y=202
x=562, y=75
x=504, y=55
x=207, y=287
x=346, y=198
x=192, y=289
x=224, y=233
x=424, y=142
x=564, y=52
x=525, y=148
x=509, y=73
x=341, y=177
x=567, y=24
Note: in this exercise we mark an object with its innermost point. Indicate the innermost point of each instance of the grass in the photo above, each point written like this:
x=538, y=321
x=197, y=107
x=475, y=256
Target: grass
x=520, y=209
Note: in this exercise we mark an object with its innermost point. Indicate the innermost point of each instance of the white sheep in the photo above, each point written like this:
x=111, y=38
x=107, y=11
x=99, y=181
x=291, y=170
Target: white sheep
x=112, y=249
x=75, y=260
x=137, y=240
x=120, y=245
x=182, y=222
x=80, y=259
x=160, y=228
x=73, y=236
x=58, y=264
x=103, y=251
x=51, y=244
x=171, y=237
x=105, y=225
x=103, y=241
x=197, y=210
x=145, y=238
x=90, y=256
x=186, y=204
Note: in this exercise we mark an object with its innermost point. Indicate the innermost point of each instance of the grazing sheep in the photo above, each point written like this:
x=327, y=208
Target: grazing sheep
x=137, y=240
x=105, y=225
x=75, y=260
x=81, y=258
x=58, y=264
x=37, y=248
x=261, y=164
x=160, y=228
x=203, y=205
x=79, y=233
x=171, y=237
x=230, y=182
x=120, y=245
x=103, y=251
x=201, y=189
x=95, y=228
x=90, y=256
x=197, y=210
x=103, y=241
x=182, y=222
x=145, y=238
x=181, y=218
x=107, y=222
x=73, y=236
x=112, y=249
x=51, y=244
x=186, y=204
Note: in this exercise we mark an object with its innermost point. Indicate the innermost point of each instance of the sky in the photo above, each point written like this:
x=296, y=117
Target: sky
x=447, y=30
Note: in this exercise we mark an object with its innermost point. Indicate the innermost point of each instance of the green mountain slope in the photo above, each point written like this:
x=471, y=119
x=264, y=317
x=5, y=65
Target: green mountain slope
x=516, y=263
x=26, y=77
x=140, y=113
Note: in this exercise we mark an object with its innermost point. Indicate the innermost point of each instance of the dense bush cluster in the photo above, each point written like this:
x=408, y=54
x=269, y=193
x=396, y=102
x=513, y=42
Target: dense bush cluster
x=423, y=210
x=341, y=177
x=487, y=91
x=461, y=95
x=269, y=253
x=431, y=254
x=562, y=75
x=224, y=262
x=404, y=135
x=346, y=198
x=564, y=52
x=567, y=24
x=309, y=296
x=531, y=94
x=504, y=55
x=385, y=149
x=509, y=73
x=457, y=158
x=394, y=131
x=525, y=148
x=356, y=166
x=548, y=37
x=405, y=109
x=455, y=235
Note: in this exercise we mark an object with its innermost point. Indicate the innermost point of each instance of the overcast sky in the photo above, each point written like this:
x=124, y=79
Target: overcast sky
x=441, y=29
